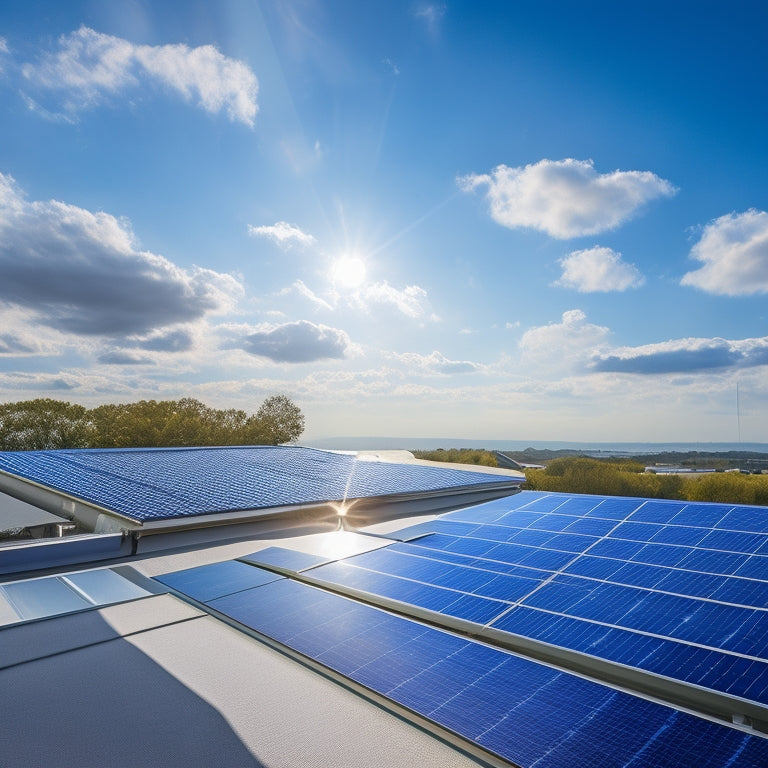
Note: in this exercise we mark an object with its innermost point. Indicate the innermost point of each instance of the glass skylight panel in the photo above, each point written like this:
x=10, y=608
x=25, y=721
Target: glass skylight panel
x=43, y=597
x=104, y=586
x=53, y=595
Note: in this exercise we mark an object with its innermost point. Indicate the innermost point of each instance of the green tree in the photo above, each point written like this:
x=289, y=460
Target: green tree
x=279, y=420
x=43, y=424
x=477, y=456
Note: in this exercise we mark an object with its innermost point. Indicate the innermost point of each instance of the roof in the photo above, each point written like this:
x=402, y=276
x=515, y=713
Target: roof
x=155, y=484
x=534, y=629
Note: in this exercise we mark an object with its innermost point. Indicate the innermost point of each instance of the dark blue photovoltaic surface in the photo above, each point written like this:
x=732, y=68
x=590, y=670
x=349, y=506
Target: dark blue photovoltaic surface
x=206, y=582
x=148, y=484
x=526, y=712
x=724, y=672
x=659, y=585
x=280, y=557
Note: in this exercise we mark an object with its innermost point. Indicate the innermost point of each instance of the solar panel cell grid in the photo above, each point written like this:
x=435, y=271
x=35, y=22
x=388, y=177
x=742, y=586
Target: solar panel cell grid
x=158, y=484
x=656, y=511
x=524, y=711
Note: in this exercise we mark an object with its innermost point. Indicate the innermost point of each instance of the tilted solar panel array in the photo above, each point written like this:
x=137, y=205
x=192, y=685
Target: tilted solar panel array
x=164, y=483
x=598, y=576
x=522, y=711
x=651, y=596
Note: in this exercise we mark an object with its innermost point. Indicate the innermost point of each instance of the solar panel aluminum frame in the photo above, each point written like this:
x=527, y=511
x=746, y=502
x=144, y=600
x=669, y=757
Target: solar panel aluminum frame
x=740, y=713
x=355, y=512
x=89, y=515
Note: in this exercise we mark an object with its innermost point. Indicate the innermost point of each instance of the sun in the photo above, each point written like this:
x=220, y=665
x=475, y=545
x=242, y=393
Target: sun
x=348, y=272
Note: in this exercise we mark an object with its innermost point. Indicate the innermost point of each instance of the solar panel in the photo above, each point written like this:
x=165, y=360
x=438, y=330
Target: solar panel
x=161, y=483
x=614, y=601
x=207, y=582
x=289, y=559
x=521, y=710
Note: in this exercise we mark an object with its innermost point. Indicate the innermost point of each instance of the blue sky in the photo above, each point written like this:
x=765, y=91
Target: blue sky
x=533, y=220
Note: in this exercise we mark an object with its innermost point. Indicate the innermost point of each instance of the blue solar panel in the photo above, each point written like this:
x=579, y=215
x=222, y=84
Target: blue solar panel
x=670, y=608
x=161, y=483
x=657, y=511
x=206, y=582
x=704, y=515
x=449, y=602
x=523, y=711
x=289, y=559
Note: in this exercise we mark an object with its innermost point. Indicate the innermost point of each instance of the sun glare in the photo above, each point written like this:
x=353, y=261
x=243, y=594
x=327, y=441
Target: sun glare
x=348, y=272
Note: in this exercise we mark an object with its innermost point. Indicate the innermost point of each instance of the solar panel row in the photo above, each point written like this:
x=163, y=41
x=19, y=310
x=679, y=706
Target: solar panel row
x=659, y=633
x=158, y=484
x=526, y=712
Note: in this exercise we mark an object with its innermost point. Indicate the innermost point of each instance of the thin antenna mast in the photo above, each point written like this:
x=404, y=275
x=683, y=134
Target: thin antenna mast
x=738, y=411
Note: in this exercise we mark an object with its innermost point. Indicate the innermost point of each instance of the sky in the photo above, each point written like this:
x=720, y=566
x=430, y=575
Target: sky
x=531, y=220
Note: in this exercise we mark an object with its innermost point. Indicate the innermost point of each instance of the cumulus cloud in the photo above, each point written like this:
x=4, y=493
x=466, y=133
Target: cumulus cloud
x=437, y=363
x=300, y=287
x=684, y=356
x=12, y=344
x=178, y=340
x=566, y=198
x=283, y=233
x=564, y=345
x=121, y=357
x=734, y=252
x=411, y=300
x=298, y=342
x=90, y=64
x=81, y=272
x=598, y=269
x=38, y=382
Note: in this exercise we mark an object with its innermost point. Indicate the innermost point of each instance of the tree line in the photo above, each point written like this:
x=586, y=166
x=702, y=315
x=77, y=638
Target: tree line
x=622, y=477
x=45, y=424
x=629, y=478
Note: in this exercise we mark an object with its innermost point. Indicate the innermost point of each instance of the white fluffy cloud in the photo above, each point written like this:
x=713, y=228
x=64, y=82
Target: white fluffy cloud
x=566, y=198
x=90, y=64
x=282, y=233
x=81, y=272
x=411, y=300
x=598, y=269
x=734, y=252
x=298, y=342
x=684, y=356
x=565, y=345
